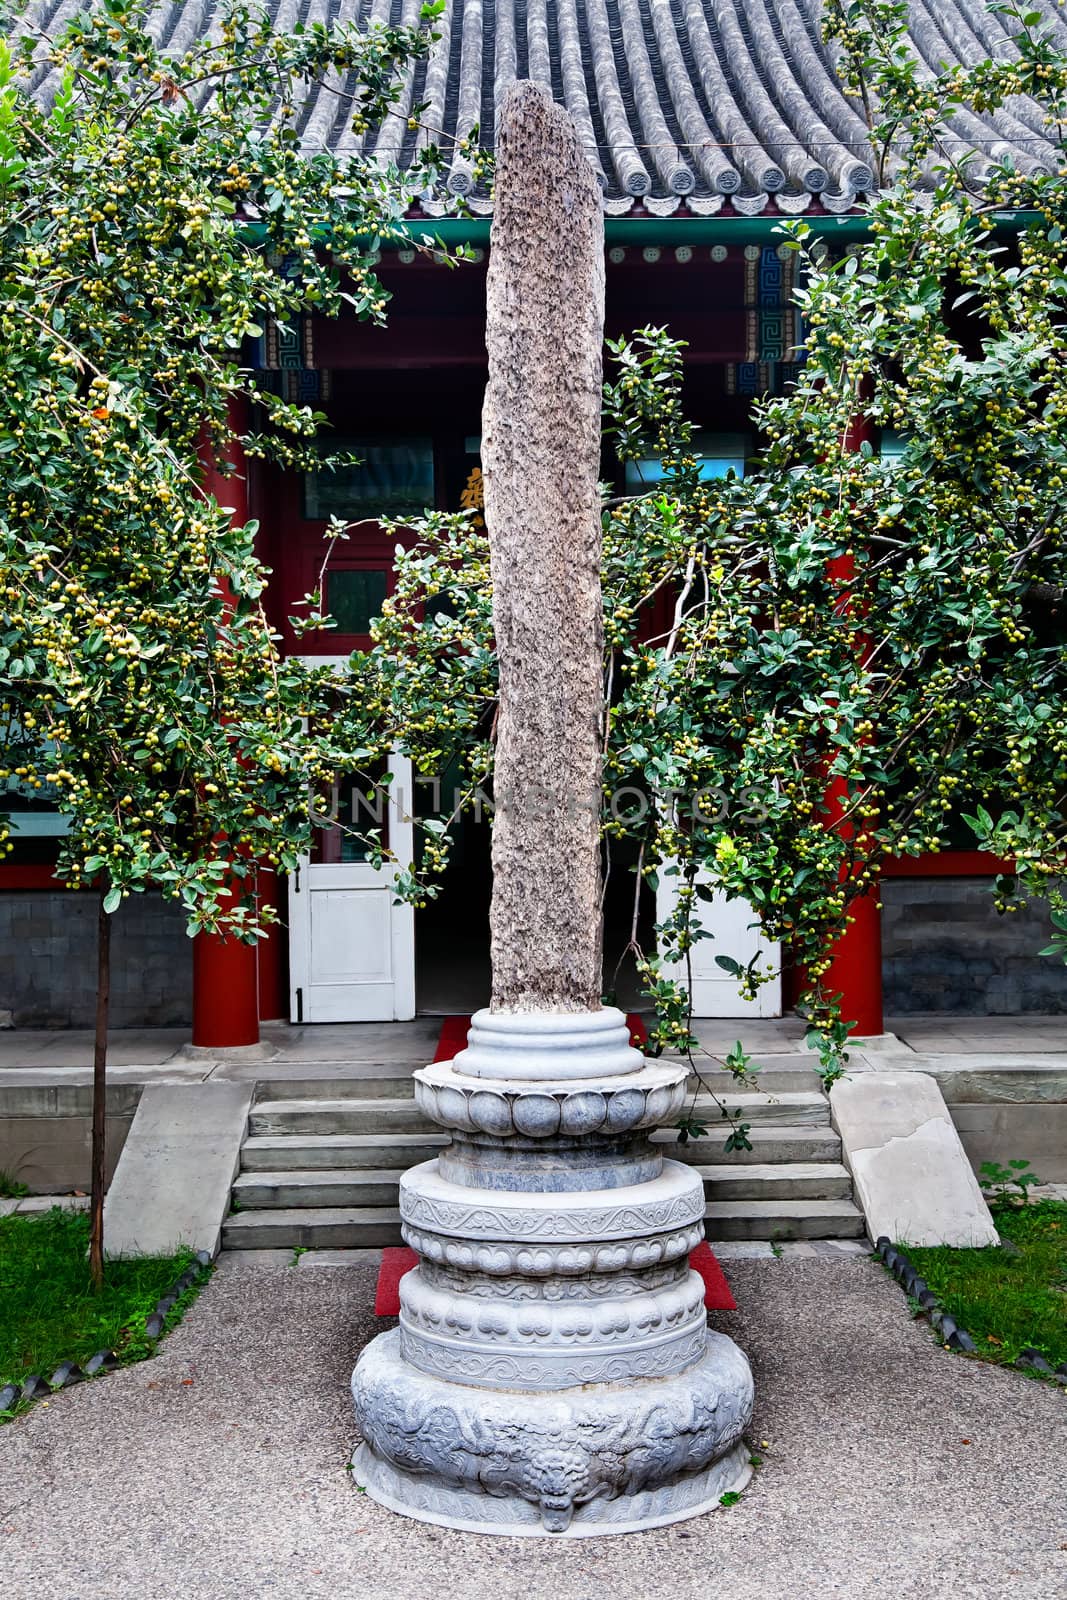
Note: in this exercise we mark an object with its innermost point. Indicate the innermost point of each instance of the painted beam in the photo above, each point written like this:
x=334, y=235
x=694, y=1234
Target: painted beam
x=474, y=231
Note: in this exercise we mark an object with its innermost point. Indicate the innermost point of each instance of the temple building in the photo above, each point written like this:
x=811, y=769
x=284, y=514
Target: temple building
x=708, y=122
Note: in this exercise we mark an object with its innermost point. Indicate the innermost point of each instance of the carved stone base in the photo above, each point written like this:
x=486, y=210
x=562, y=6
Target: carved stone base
x=603, y=1458
x=553, y=1370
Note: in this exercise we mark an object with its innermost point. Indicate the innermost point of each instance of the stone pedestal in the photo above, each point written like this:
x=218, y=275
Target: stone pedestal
x=553, y=1372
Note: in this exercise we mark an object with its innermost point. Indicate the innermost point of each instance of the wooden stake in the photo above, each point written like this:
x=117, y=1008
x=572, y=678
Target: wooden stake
x=99, y=1140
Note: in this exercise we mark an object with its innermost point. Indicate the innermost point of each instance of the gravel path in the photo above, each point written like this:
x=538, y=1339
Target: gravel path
x=892, y=1467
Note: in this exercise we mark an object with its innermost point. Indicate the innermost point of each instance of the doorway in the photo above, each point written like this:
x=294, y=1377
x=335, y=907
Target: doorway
x=452, y=974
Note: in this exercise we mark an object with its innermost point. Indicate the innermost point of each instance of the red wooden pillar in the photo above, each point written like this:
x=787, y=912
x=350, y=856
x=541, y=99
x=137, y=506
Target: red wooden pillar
x=273, y=972
x=226, y=971
x=225, y=992
x=855, y=970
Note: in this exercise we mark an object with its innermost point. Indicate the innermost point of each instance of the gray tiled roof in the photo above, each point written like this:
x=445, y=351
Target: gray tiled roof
x=719, y=105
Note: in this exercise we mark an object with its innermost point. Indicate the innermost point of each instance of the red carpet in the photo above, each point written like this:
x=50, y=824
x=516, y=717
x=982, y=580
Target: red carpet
x=397, y=1260
x=717, y=1296
x=453, y=1037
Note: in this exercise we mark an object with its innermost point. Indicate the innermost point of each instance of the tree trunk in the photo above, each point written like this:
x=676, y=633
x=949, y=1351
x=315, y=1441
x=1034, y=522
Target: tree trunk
x=99, y=1144
x=541, y=459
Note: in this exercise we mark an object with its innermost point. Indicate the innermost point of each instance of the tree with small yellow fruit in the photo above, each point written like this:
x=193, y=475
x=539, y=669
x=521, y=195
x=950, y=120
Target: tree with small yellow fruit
x=155, y=214
x=891, y=624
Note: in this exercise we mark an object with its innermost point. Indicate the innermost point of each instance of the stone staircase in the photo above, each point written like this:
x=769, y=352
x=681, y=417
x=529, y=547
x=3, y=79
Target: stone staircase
x=325, y=1150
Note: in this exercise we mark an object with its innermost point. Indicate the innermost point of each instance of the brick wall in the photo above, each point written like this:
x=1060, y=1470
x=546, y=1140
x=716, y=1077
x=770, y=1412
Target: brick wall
x=48, y=961
x=945, y=948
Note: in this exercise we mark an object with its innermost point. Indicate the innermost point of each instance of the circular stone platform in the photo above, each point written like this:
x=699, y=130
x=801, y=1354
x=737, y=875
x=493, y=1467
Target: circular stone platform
x=598, y=1459
x=553, y=1372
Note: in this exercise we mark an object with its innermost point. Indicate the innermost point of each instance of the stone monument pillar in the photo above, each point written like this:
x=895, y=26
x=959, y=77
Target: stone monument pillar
x=553, y=1372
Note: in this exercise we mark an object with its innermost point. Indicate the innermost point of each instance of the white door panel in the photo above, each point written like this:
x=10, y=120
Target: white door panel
x=351, y=946
x=735, y=932
x=350, y=935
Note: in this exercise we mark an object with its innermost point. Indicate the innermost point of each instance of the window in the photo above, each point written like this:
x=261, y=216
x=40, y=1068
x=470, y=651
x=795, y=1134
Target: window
x=33, y=813
x=36, y=824
x=718, y=453
x=360, y=802
x=354, y=597
x=393, y=479
x=893, y=445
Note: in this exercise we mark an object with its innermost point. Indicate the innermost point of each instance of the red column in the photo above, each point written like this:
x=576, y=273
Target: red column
x=226, y=971
x=272, y=952
x=855, y=970
x=225, y=992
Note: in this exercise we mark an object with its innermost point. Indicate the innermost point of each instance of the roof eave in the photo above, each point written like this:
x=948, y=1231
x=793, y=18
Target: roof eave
x=692, y=230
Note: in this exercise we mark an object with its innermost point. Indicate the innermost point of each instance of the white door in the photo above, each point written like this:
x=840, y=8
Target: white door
x=735, y=933
x=351, y=944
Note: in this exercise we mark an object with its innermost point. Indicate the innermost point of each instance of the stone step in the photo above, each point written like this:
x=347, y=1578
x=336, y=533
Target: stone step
x=769, y=1142
x=369, y=1081
x=323, y=1082
x=355, y=1227
x=347, y=1186
x=766, y=1082
x=400, y=1115
x=310, y=1152
x=809, y=1107
x=313, y=1228
x=338, y=1115
x=790, y=1075
x=783, y=1219
x=362, y=1188
x=299, y=1152
x=796, y=1180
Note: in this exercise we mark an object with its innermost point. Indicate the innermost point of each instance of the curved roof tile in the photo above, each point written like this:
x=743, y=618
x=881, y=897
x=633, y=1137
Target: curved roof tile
x=706, y=102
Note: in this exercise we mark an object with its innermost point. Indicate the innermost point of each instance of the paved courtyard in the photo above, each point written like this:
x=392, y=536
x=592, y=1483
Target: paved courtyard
x=892, y=1468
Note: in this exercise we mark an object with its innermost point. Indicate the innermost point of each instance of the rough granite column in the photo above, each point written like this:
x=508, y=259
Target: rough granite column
x=553, y=1372
x=541, y=464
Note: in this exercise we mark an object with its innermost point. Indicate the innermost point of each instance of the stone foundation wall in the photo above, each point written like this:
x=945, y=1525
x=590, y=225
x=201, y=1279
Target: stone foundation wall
x=53, y=1155
x=48, y=961
x=945, y=948
x=1016, y=1131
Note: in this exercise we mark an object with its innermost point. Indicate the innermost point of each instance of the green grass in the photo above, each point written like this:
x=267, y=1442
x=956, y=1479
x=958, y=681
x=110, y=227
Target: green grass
x=10, y=1187
x=48, y=1310
x=1008, y=1298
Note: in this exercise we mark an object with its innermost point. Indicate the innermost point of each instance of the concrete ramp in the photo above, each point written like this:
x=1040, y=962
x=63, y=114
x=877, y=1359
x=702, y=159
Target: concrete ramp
x=911, y=1175
x=171, y=1188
